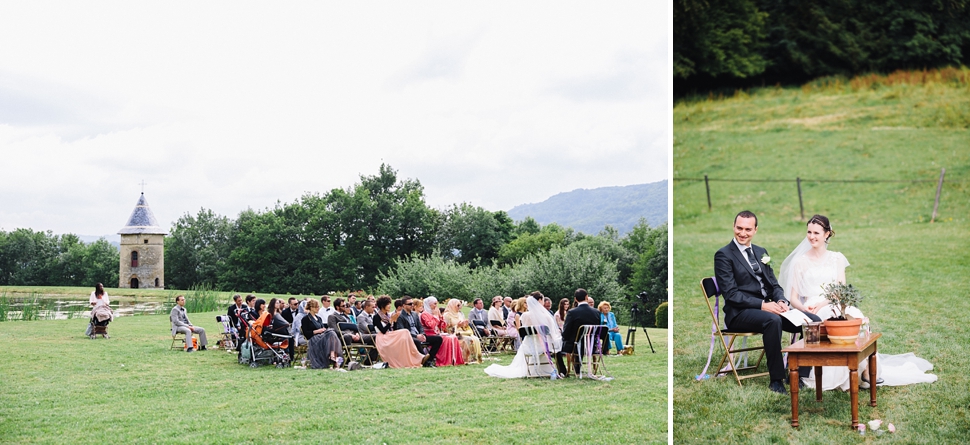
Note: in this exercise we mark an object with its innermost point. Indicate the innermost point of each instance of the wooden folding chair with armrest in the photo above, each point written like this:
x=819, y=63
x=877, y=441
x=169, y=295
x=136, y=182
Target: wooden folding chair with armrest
x=733, y=357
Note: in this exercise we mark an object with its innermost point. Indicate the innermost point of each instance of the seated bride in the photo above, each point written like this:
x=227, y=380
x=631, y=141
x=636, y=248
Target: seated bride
x=541, y=347
x=803, y=274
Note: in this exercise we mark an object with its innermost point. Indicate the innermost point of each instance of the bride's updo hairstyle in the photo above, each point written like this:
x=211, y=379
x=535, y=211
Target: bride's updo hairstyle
x=537, y=295
x=824, y=222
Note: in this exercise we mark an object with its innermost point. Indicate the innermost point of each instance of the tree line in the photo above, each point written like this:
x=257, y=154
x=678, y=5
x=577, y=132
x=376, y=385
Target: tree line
x=741, y=42
x=29, y=258
x=379, y=234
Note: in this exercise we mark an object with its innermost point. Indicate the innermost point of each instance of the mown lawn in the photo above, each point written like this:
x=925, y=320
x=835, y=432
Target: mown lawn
x=60, y=387
x=913, y=273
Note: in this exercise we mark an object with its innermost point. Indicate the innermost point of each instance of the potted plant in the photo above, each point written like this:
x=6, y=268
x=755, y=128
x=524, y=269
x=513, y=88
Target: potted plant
x=843, y=329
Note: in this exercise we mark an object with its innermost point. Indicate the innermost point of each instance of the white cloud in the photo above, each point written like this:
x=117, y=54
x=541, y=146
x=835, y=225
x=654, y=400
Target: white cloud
x=227, y=106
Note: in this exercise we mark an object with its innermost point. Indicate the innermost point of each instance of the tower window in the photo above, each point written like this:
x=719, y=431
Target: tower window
x=134, y=259
x=146, y=240
x=156, y=282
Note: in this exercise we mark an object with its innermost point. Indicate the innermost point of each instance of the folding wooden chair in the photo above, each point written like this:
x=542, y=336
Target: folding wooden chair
x=355, y=351
x=588, y=349
x=176, y=338
x=733, y=357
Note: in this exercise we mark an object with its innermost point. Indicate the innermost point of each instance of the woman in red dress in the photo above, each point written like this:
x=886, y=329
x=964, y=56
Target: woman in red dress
x=434, y=324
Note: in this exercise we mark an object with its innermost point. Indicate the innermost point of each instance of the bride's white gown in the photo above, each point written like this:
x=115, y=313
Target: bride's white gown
x=532, y=346
x=808, y=275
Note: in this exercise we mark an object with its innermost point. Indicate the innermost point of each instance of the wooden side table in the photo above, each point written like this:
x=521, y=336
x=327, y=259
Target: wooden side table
x=828, y=354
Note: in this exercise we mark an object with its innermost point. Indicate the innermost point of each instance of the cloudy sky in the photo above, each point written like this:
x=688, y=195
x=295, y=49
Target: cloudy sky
x=228, y=106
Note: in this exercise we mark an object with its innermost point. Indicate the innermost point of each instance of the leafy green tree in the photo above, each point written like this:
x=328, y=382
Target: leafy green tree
x=528, y=225
x=529, y=243
x=382, y=219
x=423, y=276
x=558, y=272
x=100, y=263
x=196, y=249
x=821, y=38
x=29, y=258
x=649, y=279
x=472, y=235
x=607, y=243
x=718, y=38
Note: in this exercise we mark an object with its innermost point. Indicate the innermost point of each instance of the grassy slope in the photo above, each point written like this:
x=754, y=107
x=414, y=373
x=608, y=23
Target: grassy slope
x=913, y=272
x=60, y=387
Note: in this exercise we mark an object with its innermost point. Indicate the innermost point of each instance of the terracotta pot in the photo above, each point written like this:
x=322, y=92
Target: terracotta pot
x=842, y=331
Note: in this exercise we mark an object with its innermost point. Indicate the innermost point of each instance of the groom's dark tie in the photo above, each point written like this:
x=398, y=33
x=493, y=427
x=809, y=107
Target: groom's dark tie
x=753, y=262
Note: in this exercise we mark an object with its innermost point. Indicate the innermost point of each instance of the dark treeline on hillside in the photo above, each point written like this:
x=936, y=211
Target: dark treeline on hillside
x=379, y=234
x=743, y=43
x=29, y=258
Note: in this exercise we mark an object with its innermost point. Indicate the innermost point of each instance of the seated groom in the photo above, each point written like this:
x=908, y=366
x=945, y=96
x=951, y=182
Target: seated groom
x=753, y=300
x=576, y=317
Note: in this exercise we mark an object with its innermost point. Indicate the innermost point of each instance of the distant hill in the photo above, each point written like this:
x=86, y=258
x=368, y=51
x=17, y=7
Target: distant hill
x=588, y=211
x=114, y=240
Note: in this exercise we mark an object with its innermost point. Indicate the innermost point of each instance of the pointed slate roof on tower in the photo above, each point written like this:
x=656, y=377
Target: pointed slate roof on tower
x=142, y=220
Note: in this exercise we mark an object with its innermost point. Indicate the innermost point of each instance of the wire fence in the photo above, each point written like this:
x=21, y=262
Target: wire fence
x=798, y=181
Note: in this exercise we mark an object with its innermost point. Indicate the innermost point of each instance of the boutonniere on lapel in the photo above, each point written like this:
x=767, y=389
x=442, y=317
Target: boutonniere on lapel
x=765, y=259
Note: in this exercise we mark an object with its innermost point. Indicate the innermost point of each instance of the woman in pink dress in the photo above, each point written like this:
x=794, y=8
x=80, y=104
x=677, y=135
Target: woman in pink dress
x=434, y=324
x=513, y=323
x=396, y=347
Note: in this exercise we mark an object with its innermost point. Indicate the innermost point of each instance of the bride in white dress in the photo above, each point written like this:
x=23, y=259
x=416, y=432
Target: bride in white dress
x=809, y=267
x=536, y=316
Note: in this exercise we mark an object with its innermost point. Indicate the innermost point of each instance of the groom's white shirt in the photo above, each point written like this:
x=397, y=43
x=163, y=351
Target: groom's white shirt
x=742, y=248
x=744, y=255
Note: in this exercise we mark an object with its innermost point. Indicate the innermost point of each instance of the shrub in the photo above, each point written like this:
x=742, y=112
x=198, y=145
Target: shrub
x=661, y=321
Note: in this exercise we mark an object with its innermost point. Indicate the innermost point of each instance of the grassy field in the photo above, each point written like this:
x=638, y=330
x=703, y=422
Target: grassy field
x=913, y=273
x=60, y=387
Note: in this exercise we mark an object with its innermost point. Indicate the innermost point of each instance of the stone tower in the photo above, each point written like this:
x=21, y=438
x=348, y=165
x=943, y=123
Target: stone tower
x=142, y=250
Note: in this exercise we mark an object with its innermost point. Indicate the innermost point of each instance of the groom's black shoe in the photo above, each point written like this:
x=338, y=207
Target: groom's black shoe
x=778, y=386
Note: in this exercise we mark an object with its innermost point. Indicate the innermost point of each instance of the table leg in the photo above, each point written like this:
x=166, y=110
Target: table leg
x=818, y=383
x=793, y=389
x=872, y=378
x=854, y=396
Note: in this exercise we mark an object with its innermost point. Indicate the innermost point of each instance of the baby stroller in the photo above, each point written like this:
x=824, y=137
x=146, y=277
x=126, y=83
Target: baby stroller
x=262, y=346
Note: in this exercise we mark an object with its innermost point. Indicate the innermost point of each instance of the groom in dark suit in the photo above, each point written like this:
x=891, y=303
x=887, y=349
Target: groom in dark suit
x=580, y=315
x=753, y=300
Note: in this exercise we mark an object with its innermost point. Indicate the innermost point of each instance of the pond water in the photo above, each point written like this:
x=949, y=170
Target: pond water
x=61, y=308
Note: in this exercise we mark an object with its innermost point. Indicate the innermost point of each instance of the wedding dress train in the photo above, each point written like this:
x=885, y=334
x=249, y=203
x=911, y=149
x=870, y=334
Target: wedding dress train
x=537, y=316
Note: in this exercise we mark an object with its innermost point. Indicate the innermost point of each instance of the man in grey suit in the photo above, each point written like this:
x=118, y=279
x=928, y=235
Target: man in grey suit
x=180, y=323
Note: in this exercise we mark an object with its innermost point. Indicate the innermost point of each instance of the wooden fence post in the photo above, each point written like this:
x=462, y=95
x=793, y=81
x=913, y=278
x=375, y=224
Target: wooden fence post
x=939, y=186
x=708, y=187
x=801, y=208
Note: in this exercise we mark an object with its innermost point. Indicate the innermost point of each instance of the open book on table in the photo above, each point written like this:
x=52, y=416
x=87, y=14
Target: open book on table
x=796, y=317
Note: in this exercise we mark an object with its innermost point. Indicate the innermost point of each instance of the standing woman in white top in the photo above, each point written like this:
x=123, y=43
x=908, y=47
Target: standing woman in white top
x=101, y=313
